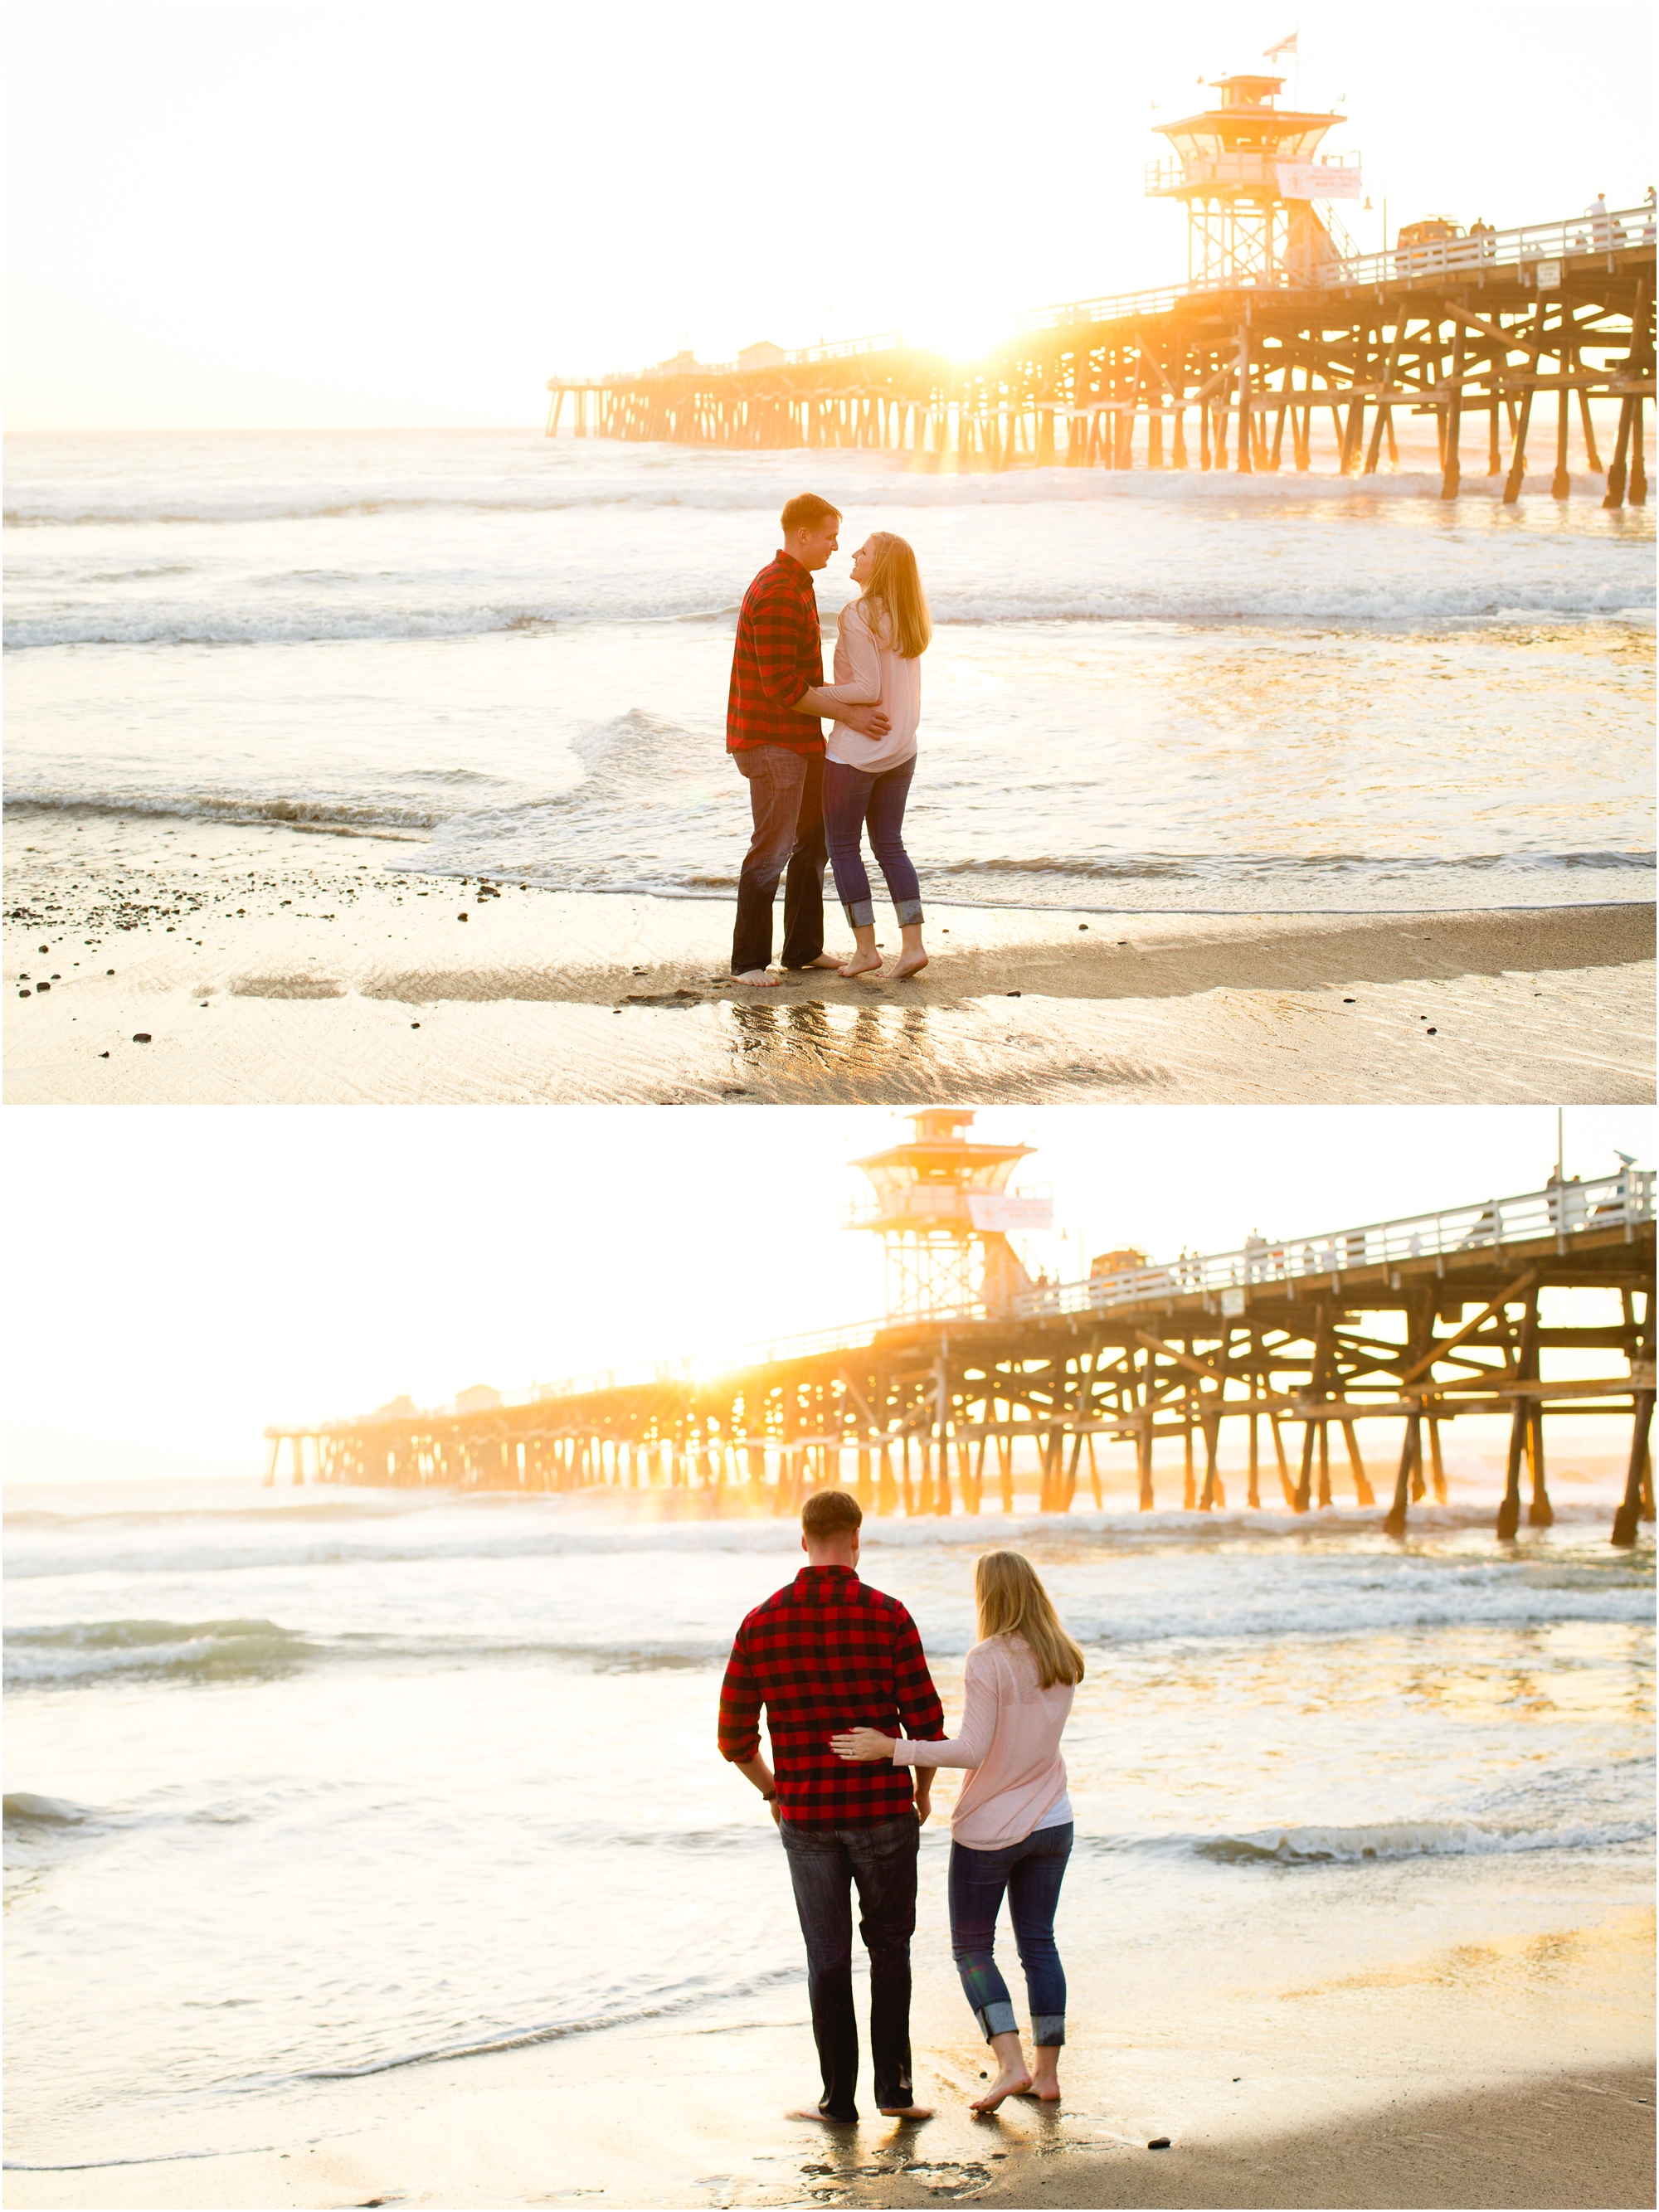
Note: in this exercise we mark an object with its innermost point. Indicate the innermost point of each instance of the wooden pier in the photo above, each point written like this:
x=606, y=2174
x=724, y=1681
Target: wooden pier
x=1419, y=1321
x=1480, y=333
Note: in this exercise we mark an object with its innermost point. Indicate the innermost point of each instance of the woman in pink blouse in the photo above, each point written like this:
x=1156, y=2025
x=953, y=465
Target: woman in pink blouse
x=1011, y=1827
x=880, y=638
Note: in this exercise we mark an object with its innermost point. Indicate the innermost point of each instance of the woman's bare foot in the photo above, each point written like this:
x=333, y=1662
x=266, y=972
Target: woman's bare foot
x=860, y=964
x=1010, y=2081
x=1045, y=2075
x=762, y=978
x=908, y=963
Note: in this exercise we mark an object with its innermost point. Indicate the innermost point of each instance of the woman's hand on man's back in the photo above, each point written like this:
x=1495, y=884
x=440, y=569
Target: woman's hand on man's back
x=861, y=1743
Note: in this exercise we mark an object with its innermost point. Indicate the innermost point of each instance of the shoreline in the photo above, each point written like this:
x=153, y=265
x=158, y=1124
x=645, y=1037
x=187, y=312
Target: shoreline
x=1580, y=2138
x=1515, y=2073
x=310, y=973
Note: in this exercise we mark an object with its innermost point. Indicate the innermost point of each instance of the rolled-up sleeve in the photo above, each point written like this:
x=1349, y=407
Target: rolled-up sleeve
x=740, y=1707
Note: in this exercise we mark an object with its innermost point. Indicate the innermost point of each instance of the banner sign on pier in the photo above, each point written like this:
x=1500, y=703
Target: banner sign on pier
x=997, y=1210
x=1316, y=180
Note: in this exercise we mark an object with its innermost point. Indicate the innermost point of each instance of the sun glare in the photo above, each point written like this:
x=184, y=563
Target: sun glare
x=964, y=338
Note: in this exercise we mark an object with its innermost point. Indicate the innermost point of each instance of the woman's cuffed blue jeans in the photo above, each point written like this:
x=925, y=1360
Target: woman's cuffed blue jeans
x=850, y=800
x=1031, y=1872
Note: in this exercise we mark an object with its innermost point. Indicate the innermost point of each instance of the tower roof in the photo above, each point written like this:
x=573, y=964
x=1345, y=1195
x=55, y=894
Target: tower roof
x=940, y=1152
x=1246, y=117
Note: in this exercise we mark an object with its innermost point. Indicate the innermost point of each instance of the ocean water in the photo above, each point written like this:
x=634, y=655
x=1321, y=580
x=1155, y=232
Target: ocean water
x=1145, y=690
x=307, y=1785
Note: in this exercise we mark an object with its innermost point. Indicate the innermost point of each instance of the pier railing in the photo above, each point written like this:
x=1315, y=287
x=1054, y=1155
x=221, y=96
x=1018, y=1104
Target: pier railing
x=1529, y=244
x=799, y=357
x=852, y=1337
x=1532, y=243
x=1620, y=1201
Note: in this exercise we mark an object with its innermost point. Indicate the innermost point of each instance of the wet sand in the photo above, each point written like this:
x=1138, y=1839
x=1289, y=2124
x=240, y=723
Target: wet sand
x=271, y=965
x=1493, y=2075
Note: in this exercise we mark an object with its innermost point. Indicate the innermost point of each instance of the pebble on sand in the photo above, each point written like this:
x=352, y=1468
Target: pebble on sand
x=140, y=1037
x=1158, y=2143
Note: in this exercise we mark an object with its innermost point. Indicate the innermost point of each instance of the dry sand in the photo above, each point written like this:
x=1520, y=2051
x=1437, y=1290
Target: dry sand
x=267, y=965
x=1494, y=2075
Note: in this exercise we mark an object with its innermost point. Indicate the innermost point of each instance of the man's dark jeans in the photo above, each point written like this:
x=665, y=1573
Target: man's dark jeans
x=824, y=1864
x=786, y=794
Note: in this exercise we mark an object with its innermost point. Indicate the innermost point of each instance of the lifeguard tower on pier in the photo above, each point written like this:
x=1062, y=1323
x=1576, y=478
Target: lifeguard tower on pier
x=944, y=1210
x=1250, y=174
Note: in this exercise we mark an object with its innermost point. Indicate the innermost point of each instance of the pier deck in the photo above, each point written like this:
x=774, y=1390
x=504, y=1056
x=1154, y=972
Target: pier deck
x=1423, y=1322
x=1480, y=327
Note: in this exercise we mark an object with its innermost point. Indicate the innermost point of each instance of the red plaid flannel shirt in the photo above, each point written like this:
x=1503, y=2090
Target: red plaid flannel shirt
x=824, y=1654
x=779, y=654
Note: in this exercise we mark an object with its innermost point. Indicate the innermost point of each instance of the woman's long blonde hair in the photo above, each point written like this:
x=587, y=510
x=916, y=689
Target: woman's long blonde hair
x=1012, y=1603
x=895, y=605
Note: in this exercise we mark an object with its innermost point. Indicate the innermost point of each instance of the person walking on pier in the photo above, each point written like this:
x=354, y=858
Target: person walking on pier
x=825, y=1653
x=1011, y=1829
x=880, y=642
x=776, y=742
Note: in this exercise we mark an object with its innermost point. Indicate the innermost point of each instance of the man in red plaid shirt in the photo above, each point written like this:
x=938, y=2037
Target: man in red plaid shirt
x=774, y=735
x=825, y=1653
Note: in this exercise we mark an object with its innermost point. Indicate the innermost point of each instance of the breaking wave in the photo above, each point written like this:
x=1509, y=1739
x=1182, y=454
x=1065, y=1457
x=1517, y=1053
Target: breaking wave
x=1331, y=600
x=735, y=485
x=1359, y=1594
x=1408, y=1839
x=201, y=1650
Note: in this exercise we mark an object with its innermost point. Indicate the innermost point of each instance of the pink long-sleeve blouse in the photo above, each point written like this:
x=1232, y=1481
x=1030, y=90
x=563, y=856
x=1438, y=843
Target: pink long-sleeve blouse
x=869, y=674
x=1011, y=1731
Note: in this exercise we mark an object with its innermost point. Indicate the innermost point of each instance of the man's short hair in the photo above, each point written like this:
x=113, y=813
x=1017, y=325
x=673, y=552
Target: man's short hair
x=830, y=1513
x=805, y=511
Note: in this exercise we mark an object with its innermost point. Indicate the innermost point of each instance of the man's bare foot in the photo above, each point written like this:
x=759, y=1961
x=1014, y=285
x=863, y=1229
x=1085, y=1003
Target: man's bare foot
x=860, y=964
x=908, y=963
x=906, y=2111
x=817, y=2113
x=762, y=978
x=826, y=960
x=1010, y=2081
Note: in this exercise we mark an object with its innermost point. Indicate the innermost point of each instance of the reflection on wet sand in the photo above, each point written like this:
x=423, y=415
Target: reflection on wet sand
x=333, y=978
x=810, y=1052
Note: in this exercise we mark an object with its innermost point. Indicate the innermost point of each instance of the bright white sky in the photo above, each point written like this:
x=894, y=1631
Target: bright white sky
x=177, y=1279
x=243, y=214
